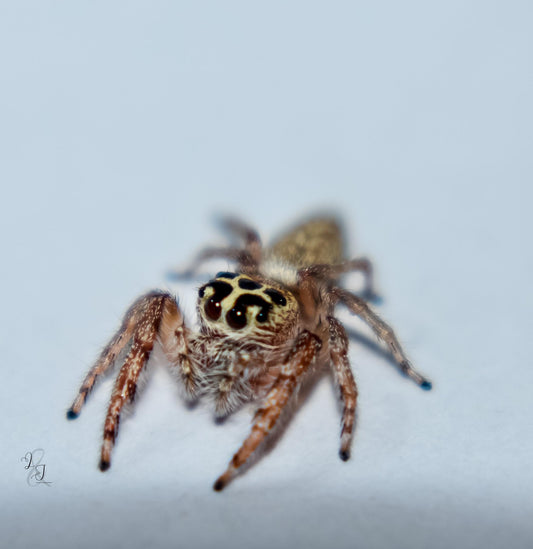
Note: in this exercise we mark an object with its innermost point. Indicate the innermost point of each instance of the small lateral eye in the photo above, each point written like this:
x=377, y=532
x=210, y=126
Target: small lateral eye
x=276, y=297
x=236, y=318
x=225, y=274
x=247, y=284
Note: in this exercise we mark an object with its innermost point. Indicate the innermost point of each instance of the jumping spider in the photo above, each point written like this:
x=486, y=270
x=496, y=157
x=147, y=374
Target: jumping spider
x=262, y=329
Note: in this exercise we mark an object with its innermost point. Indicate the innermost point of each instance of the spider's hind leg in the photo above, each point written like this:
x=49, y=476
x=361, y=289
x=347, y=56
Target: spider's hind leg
x=252, y=241
x=358, y=264
x=360, y=308
x=247, y=258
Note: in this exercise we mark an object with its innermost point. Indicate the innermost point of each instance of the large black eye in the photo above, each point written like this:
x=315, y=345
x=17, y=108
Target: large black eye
x=236, y=318
x=212, y=307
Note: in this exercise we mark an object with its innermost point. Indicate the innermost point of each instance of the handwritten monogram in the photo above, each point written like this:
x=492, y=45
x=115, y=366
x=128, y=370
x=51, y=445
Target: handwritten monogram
x=36, y=469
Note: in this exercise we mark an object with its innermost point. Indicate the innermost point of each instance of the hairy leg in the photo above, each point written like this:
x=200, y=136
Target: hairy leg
x=297, y=363
x=338, y=344
x=154, y=315
x=252, y=241
x=361, y=264
x=151, y=310
x=247, y=258
x=233, y=388
x=359, y=307
x=109, y=355
x=174, y=337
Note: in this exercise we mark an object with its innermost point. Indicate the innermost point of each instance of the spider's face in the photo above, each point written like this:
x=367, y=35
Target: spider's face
x=236, y=305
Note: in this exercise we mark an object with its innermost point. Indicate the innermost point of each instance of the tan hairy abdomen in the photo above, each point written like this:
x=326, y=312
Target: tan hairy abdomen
x=318, y=240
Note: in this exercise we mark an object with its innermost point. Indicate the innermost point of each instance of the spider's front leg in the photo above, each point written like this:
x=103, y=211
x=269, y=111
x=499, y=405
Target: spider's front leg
x=338, y=344
x=298, y=361
x=154, y=315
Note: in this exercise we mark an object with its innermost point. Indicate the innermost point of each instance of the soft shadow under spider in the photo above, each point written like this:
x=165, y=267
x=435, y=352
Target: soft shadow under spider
x=373, y=346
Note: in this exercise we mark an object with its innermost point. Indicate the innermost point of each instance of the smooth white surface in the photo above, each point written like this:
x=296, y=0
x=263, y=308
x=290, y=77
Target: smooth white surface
x=125, y=126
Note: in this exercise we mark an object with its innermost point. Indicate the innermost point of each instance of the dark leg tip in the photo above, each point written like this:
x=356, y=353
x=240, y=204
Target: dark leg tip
x=71, y=414
x=104, y=465
x=426, y=385
x=344, y=455
x=219, y=485
x=372, y=297
x=172, y=276
x=178, y=276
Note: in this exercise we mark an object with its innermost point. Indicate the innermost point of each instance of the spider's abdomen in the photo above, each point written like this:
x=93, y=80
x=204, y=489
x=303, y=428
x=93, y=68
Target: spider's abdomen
x=237, y=305
x=318, y=240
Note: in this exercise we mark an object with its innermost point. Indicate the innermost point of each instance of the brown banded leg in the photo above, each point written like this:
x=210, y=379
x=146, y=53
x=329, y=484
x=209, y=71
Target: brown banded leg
x=338, y=343
x=298, y=361
x=108, y=356
x=153, y=315
x=150, y=311
x=359, y=307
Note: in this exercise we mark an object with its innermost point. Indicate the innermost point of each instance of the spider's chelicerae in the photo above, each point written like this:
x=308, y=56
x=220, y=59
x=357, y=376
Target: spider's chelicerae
x=261, y=330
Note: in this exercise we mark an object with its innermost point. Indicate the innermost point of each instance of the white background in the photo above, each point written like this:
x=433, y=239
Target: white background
x=125, y=126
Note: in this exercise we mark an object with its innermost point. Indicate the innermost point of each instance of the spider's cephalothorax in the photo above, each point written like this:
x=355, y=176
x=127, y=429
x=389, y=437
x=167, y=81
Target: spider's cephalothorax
x=262, y=329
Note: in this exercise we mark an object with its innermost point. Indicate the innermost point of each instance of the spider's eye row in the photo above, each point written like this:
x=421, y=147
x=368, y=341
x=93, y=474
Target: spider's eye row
x=235, y=314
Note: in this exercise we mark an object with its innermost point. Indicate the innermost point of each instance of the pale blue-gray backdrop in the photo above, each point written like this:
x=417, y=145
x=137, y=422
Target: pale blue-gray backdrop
x=125, y=126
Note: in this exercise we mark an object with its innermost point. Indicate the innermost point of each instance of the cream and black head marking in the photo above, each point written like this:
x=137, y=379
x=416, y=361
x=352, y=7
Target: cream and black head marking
x=236, y=302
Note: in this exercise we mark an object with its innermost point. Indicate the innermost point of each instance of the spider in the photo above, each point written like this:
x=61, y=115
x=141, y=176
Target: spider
x=262, y=329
